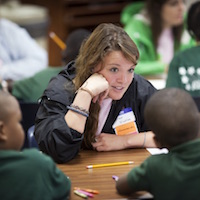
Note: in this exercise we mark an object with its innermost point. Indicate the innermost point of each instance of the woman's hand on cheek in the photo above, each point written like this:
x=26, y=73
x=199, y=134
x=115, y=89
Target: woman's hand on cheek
x=109, y=142
x=100, y=97
x=96, y=84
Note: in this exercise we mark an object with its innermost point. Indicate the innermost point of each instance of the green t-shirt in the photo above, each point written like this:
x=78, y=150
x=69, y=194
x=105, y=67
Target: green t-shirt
x=170, y=176
x=184, y=71
x=31, y=175
x=31, y=89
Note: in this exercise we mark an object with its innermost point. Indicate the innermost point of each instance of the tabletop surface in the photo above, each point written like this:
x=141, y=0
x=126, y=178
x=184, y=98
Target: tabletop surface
x=101, y=178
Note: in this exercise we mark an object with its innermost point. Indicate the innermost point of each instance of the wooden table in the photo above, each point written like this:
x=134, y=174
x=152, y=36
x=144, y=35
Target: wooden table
x=101, y=178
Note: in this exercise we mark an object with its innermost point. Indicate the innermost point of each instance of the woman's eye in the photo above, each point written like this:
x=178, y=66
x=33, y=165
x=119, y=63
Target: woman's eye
x=131, y=70
x=113, y=69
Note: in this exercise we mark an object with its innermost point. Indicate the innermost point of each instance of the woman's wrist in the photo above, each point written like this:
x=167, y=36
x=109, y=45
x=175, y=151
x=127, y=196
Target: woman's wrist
x=86, y=90
x=136, y=140
x=78, y=110
x=144, y=142
x=81, y=102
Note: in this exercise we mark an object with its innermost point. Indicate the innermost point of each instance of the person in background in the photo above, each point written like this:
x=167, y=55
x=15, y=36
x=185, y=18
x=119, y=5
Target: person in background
x=31, y=89
x=88, y=103
x=27, y=174
x=174, y=118
x=20, y=56
x=157, y=28
x=184, y=69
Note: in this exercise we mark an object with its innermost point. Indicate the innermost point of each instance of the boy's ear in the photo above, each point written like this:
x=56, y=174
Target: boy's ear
x=158, y=144
x=3, y=136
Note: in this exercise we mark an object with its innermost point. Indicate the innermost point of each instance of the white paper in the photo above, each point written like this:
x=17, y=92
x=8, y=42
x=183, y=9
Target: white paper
x=154, y=151
x=158, y=83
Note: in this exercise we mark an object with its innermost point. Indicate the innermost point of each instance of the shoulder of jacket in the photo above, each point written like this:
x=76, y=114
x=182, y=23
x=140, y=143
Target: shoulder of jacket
x=143, y=84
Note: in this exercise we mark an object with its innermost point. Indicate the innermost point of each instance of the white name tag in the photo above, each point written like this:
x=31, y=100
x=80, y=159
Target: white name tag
x=125, y=123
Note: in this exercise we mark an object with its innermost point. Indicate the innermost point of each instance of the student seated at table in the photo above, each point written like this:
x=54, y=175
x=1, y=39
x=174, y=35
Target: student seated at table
x=81, y=105
x=174, y=118
x=27, y=174
x=184, y=70
x=20, y=56
x=31, y=89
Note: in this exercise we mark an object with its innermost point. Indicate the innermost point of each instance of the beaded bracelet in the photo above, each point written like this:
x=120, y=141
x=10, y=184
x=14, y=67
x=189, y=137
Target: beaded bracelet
x=78, y=110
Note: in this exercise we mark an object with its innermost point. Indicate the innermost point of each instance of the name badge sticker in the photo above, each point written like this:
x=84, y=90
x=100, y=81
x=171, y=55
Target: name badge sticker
x=125, y=123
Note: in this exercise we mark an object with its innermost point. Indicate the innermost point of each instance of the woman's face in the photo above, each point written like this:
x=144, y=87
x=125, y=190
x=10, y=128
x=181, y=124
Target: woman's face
x=119, y=73
x=172, y=13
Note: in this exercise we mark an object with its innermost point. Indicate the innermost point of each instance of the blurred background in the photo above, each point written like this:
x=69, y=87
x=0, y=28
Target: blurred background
x=40, y=17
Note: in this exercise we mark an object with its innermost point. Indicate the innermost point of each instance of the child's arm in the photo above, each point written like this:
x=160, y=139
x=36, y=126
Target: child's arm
x=122, y=185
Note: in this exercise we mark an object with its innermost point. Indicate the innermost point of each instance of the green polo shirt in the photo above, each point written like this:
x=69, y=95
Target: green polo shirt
x=171, y=176
x=31, y=175
x=31, y=89
x=184, y=71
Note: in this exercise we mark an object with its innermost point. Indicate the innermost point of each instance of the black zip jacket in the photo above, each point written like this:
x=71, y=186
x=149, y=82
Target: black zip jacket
x=52, y=133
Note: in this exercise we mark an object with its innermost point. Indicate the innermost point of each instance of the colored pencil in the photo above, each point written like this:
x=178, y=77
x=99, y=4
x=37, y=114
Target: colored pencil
x=80, y=194
x=87, y=190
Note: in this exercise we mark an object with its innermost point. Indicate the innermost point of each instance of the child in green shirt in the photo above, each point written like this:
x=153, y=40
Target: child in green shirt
x=174, y=118
x=27, y=174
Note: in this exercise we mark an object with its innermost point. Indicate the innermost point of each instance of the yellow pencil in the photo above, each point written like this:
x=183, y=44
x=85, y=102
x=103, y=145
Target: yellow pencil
x=109, y=164
x=57, y=40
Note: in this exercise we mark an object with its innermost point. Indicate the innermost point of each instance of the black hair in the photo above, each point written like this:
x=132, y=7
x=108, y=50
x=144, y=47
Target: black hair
x=193, y=22
x=73, y=43
x=173, y=116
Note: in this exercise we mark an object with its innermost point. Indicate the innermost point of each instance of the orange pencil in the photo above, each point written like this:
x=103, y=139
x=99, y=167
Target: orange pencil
x=57, y=40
